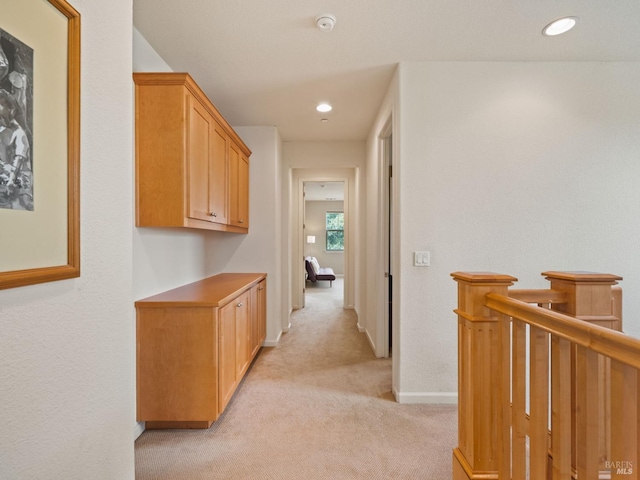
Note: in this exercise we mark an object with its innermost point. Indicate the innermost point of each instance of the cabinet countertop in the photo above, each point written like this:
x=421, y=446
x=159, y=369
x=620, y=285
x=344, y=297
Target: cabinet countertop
x=214, y=291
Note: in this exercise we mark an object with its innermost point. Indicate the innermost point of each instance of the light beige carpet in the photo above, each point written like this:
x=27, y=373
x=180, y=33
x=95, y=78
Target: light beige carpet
x=318, y=406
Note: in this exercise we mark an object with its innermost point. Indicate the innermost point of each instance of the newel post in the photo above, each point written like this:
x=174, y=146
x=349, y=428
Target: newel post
x=479, y=369
x=589, y=296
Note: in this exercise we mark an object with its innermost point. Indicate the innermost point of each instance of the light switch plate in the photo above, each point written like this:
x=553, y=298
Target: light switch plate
x=421, y=259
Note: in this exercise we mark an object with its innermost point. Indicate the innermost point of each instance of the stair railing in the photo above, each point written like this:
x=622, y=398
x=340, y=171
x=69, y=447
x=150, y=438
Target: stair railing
x=546, y=391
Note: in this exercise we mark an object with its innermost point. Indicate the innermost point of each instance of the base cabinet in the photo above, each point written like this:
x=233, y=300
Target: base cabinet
x=194, y=345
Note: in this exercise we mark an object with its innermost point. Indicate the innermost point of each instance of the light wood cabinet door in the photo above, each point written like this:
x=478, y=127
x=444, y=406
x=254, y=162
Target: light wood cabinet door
x=226, y=355
x=218, y=175
x=200, y=133
x=207, y=164
x=262, y=312
x=187, y=340
x=238, y=188
x=258, y=316
x=243, y=191
x=243, y=334
x=255, y=329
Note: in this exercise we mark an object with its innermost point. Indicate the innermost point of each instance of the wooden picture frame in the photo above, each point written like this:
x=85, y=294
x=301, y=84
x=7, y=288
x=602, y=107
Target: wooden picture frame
x=56, y=121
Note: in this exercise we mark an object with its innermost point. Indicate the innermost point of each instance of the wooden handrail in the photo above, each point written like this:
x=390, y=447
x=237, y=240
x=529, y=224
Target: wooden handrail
x=548, y=384
x=607, y=342
x=539, y=296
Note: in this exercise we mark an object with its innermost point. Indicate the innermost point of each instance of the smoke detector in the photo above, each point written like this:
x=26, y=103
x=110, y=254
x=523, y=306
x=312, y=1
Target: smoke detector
x=325, y=22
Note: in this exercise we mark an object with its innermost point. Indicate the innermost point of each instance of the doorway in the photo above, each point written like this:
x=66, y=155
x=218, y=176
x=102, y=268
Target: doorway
x=300, y=176
x=324, y=234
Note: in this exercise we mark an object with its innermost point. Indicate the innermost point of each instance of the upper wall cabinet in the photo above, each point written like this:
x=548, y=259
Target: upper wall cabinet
x=192, y=169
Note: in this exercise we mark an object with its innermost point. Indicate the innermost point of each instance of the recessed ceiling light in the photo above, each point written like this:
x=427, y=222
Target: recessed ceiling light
x=560, y=26
x=324, y=107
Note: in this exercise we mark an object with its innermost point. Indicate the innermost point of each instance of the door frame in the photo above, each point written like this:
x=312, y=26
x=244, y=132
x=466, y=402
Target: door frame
x=301, y=237
x=386, y=219
x=297, y=254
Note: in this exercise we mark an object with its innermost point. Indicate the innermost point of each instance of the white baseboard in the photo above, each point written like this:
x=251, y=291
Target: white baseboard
x=273, y=343
x=443, y=398
x=371, y=342
x=138, y=428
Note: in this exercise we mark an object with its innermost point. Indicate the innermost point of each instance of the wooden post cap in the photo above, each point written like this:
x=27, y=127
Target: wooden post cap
x=484, y=278
x=583, y=277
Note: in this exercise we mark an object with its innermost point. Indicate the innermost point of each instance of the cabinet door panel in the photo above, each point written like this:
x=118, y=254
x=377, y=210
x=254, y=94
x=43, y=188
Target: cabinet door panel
x=243, y=192
x=176, y=364
x=243, y=335
x=258, y=314
x=227, y=355
x=199, y=145
x=262, y=311
x=218, y=178
x=238, y=187
x=255, y=328
x=234, y=175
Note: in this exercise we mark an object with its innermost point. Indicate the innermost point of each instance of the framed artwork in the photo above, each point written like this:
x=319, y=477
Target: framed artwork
x=39, y=142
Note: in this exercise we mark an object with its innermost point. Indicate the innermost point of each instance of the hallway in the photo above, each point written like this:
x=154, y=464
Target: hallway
x=319, y=406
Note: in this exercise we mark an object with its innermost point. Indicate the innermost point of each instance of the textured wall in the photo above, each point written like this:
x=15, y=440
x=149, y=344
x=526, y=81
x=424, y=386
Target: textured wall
x=515, y=168
x=163, y=258
x=260, y=250
x=67, y=347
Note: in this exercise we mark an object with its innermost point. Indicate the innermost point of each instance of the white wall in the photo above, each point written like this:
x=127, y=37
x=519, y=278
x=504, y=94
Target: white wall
x=67, y=347
x=316, y=224
x=145, y=58
x=163, y=258
x=260, y=250
x=515, y=168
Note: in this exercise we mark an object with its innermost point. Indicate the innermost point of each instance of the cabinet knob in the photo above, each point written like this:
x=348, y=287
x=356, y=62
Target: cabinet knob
x=260, y=288
x=212, y=214
x=240, y=221
x=239, y=304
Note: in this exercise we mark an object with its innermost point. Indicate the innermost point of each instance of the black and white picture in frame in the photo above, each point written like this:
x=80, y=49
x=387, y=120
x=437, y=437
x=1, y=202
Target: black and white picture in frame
x=43, y=245
x=16, y=123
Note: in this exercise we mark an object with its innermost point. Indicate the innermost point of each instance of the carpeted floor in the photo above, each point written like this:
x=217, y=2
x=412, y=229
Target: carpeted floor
x=318, y=406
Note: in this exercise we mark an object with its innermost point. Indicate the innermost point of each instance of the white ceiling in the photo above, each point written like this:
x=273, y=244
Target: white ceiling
x=265, y=62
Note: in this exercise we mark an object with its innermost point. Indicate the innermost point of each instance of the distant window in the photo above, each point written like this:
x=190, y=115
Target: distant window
x=335, y=231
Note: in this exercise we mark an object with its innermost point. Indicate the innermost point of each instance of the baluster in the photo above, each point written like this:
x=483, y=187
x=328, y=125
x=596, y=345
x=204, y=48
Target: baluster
x=625, y=416
x=518, y=399
x=561, y=408
x=587, y=413
x=539, y=403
